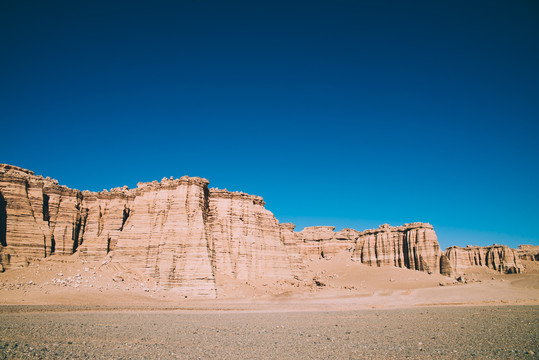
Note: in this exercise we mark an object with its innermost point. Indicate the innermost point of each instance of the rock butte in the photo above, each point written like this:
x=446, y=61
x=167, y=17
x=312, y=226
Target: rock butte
x=184, y=234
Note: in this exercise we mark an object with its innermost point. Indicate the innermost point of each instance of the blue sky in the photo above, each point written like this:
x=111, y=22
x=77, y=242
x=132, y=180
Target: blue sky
x=343, y=113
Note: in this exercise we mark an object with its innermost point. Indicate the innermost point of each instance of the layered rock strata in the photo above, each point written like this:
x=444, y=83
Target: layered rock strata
x=528, y=252
x=413, y=246
x=38, y=217
x=244, y=238
x=165, y=235
x=498, y=257
x=190, y=238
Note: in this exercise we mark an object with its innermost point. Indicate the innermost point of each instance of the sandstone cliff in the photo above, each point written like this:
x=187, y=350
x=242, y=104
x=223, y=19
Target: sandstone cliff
x=177, y=231
x=191, y=238
x=165, y=235
x=528, y=252
x=38, y=217
x=413, y=246
x=244, y=238
x=497, y=257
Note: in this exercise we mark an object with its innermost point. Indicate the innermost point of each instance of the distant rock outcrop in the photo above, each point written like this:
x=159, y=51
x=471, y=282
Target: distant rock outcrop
x=497, y=257
x=528, y=252
x=413, y=246
x=187, y=236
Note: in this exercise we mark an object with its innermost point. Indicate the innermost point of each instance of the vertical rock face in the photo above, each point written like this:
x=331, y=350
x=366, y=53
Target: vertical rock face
x=413, y=246
x=313, y=241
x=245, y=238
x=188, y=237
x=176, y=231
x=445, y=266
x=497, y=257
x=421, y=248
x=165, y=236
x=526, y=252
x=104, y=215
x=38, y=217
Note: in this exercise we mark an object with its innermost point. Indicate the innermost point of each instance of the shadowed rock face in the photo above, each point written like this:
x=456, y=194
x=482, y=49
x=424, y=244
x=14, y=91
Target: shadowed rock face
x=187, y=236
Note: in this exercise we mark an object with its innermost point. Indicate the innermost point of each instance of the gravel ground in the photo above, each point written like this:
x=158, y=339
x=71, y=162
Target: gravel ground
x=503, y=332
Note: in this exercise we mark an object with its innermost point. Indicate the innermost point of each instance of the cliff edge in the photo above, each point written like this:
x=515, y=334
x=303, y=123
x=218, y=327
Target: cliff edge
x=192, y=238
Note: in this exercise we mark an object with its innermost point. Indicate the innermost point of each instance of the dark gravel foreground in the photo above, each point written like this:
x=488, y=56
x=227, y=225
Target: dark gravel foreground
x=504, y=332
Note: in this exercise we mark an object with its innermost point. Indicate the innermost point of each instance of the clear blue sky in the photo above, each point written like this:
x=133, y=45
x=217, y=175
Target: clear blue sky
x=343, y=113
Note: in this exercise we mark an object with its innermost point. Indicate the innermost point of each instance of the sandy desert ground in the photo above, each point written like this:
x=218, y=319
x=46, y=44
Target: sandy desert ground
x=335, y=284
x=483, y=332
x=67, y=308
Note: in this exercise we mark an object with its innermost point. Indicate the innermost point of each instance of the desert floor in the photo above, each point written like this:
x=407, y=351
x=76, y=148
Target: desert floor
x=482, y=332
x=342, y=285
x=67, y=308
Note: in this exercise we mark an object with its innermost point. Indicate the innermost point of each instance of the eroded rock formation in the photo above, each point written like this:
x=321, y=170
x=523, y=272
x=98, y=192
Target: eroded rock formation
x=177, y=231
x=38, y=217
x=413, y=246
x=189, y=237
x=244, y=238
x=528, y=252
x=497, y=257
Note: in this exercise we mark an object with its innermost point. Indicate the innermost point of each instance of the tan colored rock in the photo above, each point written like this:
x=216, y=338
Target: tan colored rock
x=191, y=238
x=313, y=240
x=413, y=246
x=528, y=252
x=65, y=219
x=292, y=242
x=165, y=236
x=445, y=266
x=104, y=215
x=497, y=257
x=318, y=241
x=38, y=217
x=245, y=238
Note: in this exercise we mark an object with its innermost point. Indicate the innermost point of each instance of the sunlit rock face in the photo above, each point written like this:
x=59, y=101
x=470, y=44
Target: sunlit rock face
x=165, y=236
x=104, y=214
x=38, y=217
x=187, y=237
x=413, y=246
x=497, y=257
x=528, y=252
x=245, y=238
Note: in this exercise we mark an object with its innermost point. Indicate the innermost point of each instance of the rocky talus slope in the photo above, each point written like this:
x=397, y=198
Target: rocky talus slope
x=187, y=236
